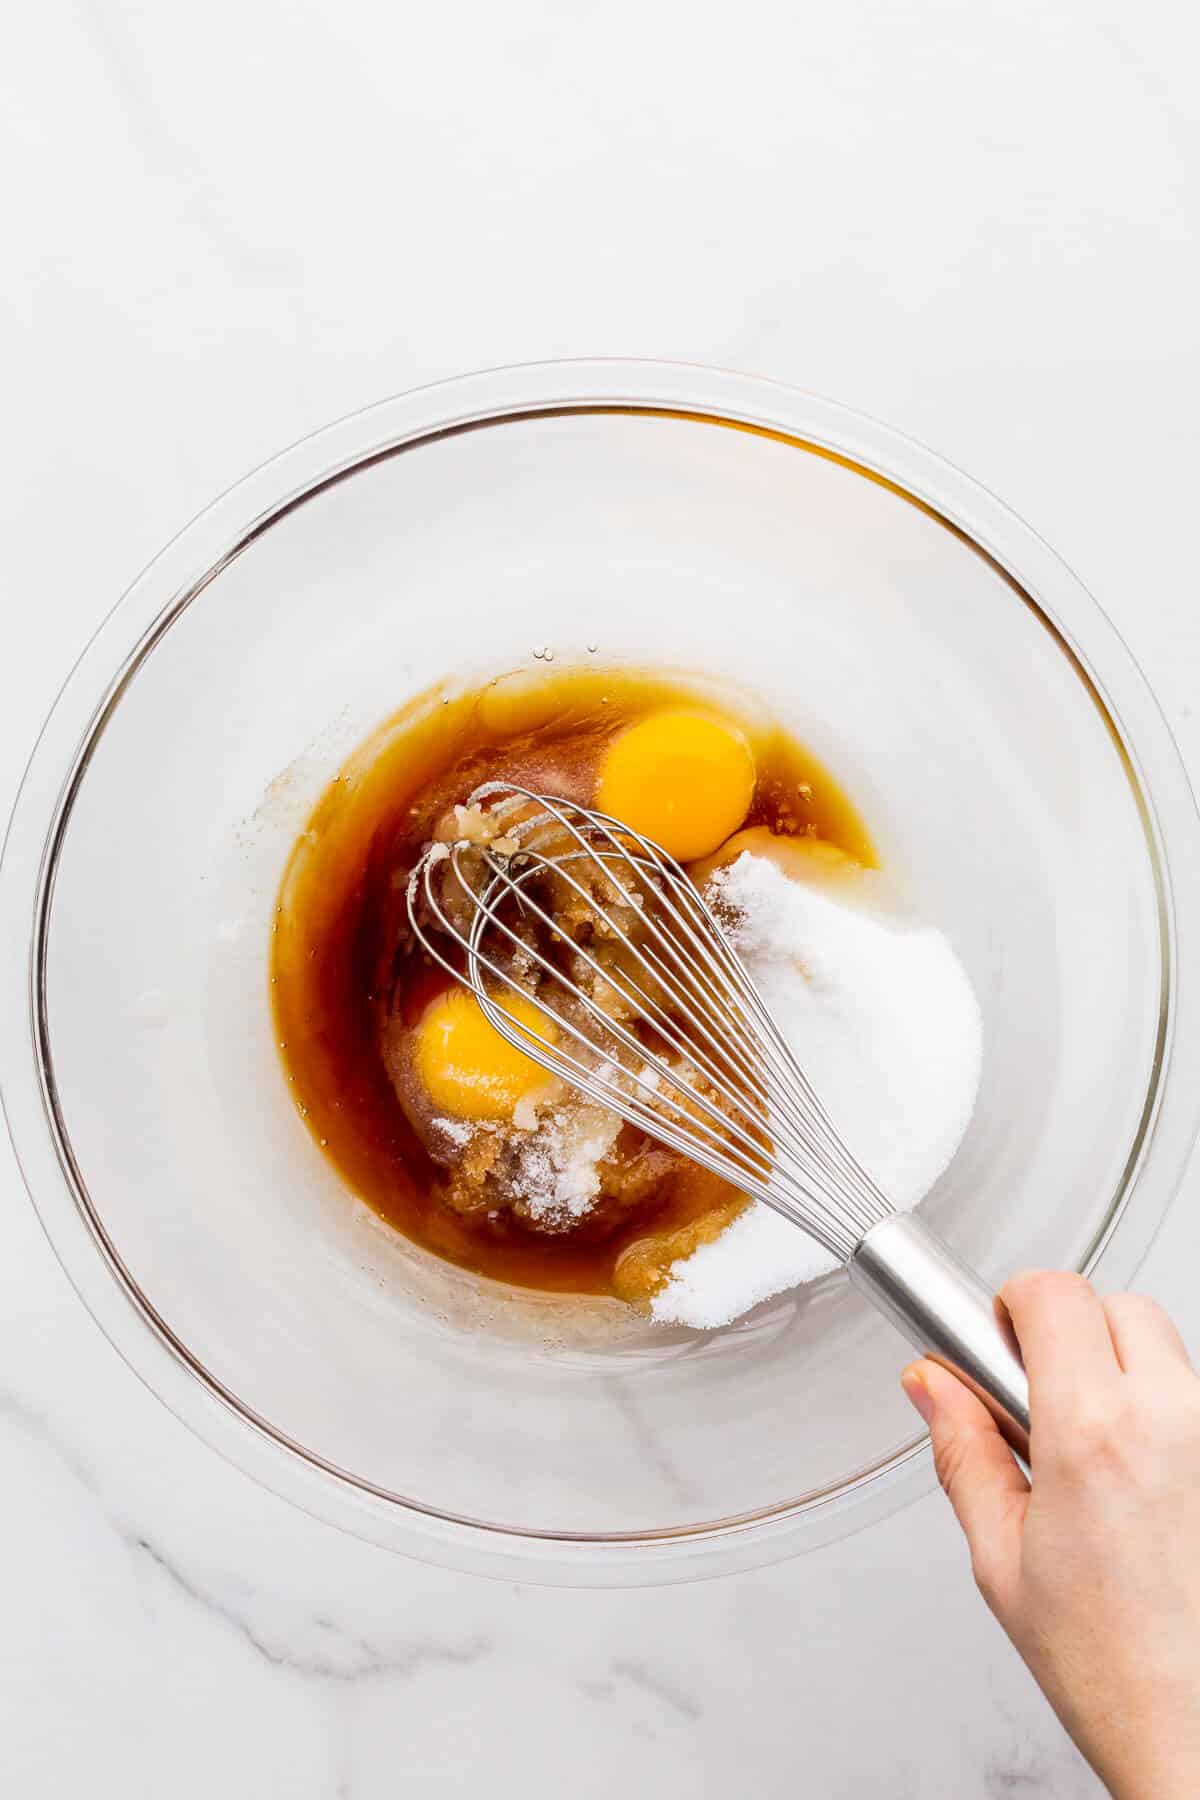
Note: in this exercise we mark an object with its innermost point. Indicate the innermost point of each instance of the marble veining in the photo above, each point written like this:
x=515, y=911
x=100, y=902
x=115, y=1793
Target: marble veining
x=334, y=1654
x=622, y=1669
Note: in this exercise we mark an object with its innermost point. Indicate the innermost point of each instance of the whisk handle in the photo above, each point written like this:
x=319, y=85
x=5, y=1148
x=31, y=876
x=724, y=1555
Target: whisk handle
x=944, y=1309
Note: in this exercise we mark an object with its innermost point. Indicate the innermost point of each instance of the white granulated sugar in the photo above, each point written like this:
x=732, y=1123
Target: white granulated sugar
x=557, y=1174
x=884, y=1021
x=526, y=1113
x=459, y=1131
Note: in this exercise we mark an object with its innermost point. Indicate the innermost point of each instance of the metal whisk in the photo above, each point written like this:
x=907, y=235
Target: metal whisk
x=640, y=1002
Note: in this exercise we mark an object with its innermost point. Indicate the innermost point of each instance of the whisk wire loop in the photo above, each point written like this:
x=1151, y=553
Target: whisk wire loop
x=666, y=1026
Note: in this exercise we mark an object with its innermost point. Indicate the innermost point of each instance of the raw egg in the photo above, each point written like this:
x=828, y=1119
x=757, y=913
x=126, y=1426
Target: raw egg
x=466, y=1067
x=684, y=779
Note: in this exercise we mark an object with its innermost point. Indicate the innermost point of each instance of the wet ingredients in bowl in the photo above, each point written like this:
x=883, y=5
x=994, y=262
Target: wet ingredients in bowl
x=466, y=1145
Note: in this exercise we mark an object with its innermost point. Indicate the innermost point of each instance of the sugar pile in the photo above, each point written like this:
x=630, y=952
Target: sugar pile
x=557, y=1174
x=557, y=1143
x=883, y=1018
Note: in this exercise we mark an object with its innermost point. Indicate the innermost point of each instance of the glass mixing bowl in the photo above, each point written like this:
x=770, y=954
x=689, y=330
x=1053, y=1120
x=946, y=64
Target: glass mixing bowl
x=1010, y=764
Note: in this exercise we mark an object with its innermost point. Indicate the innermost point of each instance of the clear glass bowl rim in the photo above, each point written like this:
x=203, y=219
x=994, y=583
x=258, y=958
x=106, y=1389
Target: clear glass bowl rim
x=178, y=576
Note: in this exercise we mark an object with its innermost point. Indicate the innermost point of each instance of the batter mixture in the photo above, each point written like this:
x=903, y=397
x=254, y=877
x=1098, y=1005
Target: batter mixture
x=465, y=1144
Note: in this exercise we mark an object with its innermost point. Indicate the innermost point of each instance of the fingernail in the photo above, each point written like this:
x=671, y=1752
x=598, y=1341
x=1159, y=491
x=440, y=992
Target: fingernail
x=918, y=1393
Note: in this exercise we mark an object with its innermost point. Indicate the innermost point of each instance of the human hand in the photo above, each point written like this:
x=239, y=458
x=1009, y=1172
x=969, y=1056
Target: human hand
x=1094, y=1572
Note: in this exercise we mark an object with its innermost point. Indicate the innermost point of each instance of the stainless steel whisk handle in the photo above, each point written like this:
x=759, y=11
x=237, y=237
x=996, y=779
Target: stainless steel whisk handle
x=944, y=1309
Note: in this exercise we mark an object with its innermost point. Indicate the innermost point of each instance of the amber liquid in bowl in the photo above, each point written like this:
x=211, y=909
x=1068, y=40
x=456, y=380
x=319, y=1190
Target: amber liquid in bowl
x=334, y=966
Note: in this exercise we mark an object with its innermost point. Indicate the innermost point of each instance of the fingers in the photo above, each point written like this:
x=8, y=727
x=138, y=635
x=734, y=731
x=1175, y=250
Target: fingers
x=1062, y=1328
x=1143, y=1335
x=975, y=1467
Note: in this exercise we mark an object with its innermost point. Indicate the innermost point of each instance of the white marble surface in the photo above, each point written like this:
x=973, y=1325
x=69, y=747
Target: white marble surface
x=228, y=224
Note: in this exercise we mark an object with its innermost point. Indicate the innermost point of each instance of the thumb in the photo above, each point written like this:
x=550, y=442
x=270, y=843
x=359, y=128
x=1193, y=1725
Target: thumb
x=981, y=1479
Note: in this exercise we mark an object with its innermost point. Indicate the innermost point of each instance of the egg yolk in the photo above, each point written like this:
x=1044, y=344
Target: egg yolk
x=684, y=779
x=466, y=1067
